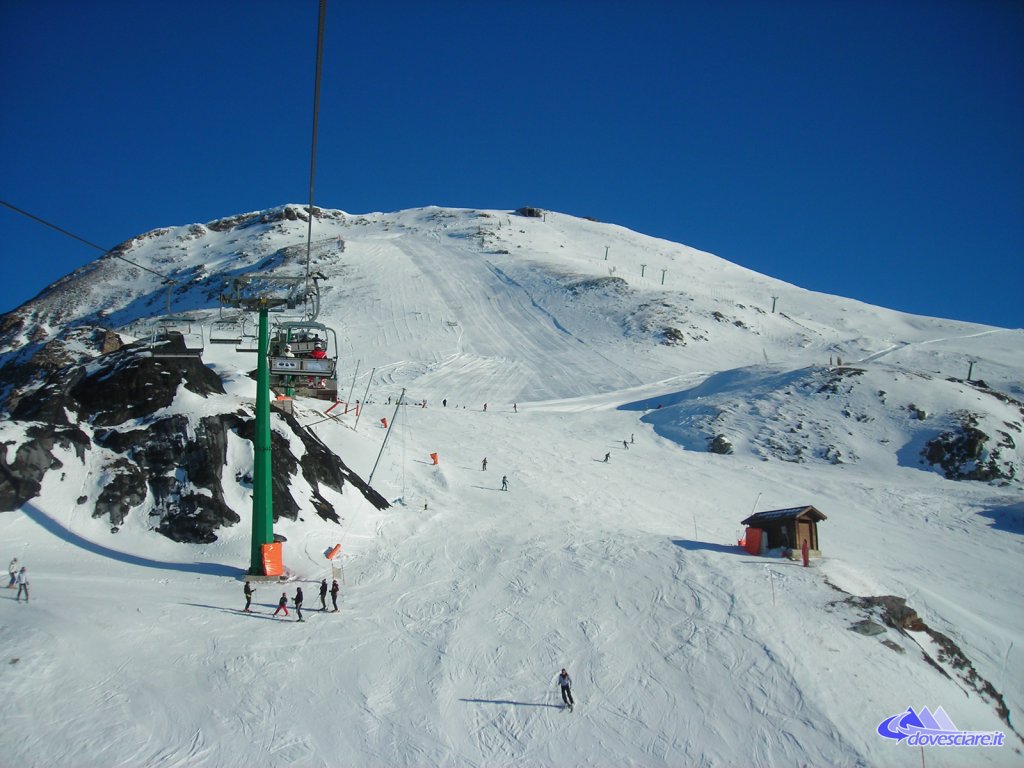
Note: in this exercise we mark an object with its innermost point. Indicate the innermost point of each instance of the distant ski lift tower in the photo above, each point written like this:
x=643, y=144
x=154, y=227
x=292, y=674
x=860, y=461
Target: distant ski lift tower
x=262, y=293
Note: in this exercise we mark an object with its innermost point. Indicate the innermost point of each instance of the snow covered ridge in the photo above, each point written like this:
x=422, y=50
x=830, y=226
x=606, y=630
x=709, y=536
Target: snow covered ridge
x=878, y=415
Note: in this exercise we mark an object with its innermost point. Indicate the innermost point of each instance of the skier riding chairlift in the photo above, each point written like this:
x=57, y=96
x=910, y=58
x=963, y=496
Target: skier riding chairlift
x=318, y=353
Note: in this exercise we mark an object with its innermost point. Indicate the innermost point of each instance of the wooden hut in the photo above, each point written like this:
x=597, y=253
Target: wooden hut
x=786, y=528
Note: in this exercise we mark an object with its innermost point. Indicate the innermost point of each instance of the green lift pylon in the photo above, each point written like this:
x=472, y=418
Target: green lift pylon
x=262, y=477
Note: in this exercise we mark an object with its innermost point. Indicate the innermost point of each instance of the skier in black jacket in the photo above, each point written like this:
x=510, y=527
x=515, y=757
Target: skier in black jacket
x=247, y=590
x=565, y=683
x=323, y=595
x=298, y=603
x=334, y=594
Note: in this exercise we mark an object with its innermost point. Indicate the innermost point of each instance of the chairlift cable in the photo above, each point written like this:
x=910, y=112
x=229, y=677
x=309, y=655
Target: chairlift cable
x=316, y=122
x=73, y=236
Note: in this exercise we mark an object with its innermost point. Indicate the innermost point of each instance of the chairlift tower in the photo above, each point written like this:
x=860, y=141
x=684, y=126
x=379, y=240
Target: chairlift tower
x=262, y=293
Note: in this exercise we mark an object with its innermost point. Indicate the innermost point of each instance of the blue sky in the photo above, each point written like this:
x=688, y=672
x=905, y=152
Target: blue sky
x=869, y=149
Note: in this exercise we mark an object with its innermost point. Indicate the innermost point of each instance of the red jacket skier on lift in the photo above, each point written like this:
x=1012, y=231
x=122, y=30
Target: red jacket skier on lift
x=318, y=353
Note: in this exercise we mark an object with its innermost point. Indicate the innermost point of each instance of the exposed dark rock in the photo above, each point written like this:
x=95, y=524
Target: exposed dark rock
x=27, y=367
x=132, y=384
x=867, y=627
x=832, y=454
x=15, y=489
x=167, y=447
x=47, y=403
x=175, y=461
x=287, y=213
x=673, y=337
x=893, y=645
x=599, y=284
x=535, y=213
x=720, y=444
x=126, y=489
x=232, y=222
x=833, y=383
x=21, y=480
x=321, y=465
x=196, y=519
x=894, y=612
x=918, y=413
x=962, y=454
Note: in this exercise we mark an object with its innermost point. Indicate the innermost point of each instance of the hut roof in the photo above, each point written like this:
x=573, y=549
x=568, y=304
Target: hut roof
x=806, y=512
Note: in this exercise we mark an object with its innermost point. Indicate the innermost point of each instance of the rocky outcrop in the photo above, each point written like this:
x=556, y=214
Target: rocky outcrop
x=21, y=476
x=965, y=452
x=720, y=444
x=30, y=364
x=533, y=213
x=137, y=384
x=942, y=653
x=171, y=465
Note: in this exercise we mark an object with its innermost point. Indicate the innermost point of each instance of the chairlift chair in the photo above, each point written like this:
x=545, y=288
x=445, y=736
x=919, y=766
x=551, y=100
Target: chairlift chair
x=226, y=332
x=305, y=375
x=172, y=343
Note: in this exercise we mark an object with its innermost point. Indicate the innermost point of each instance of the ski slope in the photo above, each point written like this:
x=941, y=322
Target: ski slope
x=462, y=602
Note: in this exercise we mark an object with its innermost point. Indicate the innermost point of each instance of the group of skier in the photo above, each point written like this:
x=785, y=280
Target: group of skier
x=282, y=603
x=625, y=447
x=504, y=478
x=564, y=681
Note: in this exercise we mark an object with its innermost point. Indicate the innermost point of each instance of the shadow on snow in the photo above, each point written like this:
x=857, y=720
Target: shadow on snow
x=709, y=546
x=511, y=703
x=36, y=515
x=1009, y=518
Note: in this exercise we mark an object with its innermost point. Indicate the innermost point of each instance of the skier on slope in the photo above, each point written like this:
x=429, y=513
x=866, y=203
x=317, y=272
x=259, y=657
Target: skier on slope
x=12, y=569
x=334, y=594
x=247, y=590
x=298, y=603
x=22, y=583
x=504, y=482
x=483, y=465
x=565, y=683
x=323, y=595
x=282, y=604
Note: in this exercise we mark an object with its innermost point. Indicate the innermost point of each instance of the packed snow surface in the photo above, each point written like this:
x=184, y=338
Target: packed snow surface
x=461, y=602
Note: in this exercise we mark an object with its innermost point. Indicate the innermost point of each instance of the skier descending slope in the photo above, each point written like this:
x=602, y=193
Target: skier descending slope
x=565, y=683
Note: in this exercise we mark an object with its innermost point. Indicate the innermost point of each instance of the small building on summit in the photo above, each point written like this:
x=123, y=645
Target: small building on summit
x=784, y=528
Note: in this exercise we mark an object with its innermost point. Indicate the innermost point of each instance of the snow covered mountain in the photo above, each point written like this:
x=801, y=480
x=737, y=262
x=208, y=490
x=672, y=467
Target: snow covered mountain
x=552, y=342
